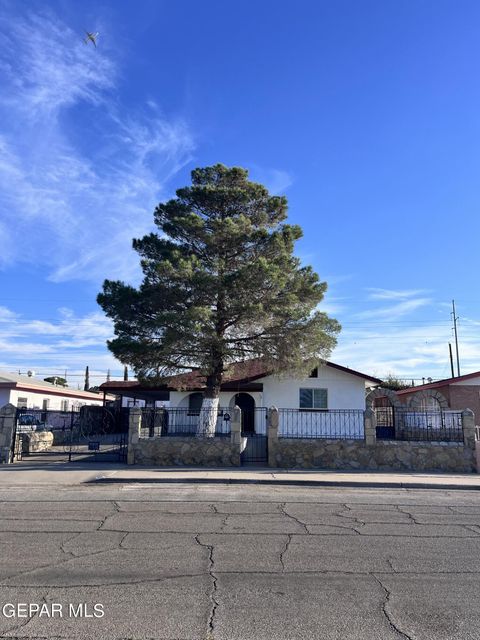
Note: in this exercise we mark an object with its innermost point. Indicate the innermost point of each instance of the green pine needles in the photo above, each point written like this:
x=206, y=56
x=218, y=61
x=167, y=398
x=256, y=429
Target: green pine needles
x=221, y=284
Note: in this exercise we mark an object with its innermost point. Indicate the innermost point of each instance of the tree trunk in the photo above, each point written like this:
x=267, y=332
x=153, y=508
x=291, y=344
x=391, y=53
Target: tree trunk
x=209, y=411
x=208, y=417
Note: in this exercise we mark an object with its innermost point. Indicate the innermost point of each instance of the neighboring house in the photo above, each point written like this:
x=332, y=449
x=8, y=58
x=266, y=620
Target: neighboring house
x=462, y=392
x=250, y=385
x=30, y=393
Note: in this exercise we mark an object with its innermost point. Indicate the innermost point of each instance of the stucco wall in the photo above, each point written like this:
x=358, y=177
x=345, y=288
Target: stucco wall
x=179, y=451
x=384, y=455
x=345, y=391
x=35, y=399
x=227, y=398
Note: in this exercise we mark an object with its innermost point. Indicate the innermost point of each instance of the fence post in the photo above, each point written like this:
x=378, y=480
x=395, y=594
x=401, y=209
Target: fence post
x=272, y=434
x=236, y=433
x=7, y=431
x=236, y=426
x=468, y=425
x=134, y=426
x=370, y=426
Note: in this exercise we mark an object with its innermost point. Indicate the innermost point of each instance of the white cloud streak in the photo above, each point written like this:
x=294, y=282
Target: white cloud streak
x=394, y=311
x=70, y=343
x=79, y=173
x=390, y=294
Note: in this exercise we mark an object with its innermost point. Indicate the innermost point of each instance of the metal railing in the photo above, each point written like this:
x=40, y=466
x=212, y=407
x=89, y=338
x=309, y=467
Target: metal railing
x=430, y=426
x=336, y=424
x=182, y=422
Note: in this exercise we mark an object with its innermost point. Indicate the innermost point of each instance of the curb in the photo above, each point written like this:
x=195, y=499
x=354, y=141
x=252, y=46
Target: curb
x=287, y=482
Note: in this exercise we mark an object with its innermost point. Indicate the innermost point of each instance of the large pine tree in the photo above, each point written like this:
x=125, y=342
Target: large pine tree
x=221, y=284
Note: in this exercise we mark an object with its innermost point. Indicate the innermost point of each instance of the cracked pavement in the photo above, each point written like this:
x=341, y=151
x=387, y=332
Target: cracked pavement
x=190, y=562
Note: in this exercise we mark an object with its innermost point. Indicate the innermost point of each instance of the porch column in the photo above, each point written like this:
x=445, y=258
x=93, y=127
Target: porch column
x=134, y=426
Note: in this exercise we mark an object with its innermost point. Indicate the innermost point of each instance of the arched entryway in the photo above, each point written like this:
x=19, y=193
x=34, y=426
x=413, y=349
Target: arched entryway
x=247, y=404
x=384, y=403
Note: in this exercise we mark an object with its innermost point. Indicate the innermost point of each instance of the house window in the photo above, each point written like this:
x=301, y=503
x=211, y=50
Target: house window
x=195, y=404
x=64, y=405
x=313, y=399
x=314, y=373
x=22, y=403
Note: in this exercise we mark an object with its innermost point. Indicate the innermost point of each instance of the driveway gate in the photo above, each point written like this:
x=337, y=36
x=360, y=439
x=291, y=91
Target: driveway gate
x=89, y=434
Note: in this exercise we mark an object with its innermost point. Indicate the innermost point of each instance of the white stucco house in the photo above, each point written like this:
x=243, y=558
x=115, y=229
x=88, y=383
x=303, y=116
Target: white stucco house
x=28, y=392
x=330, y=387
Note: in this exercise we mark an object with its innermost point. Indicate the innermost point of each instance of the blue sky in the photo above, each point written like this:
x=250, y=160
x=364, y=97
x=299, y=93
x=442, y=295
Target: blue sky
x=365, y=114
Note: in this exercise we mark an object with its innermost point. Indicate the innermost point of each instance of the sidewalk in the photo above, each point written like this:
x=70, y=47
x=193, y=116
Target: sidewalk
x=74, y=474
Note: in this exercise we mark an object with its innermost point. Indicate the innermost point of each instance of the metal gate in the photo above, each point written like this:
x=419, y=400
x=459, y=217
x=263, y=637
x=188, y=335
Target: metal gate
x=254, y=429
x=256, y=450
x=385, y=418
x=89, y=434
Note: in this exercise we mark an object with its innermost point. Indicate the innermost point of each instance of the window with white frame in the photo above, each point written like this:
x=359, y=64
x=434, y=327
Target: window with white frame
x=22, y=403
x=313, y=399
x=64, y=406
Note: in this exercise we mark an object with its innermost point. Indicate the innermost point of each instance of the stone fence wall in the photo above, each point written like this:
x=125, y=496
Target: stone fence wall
x=220, y=451
x=311, y=453
x=373, y=454
x=385, y=455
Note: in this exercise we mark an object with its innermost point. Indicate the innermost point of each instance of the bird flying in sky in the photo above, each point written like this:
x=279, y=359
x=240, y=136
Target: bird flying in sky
x=92, y=37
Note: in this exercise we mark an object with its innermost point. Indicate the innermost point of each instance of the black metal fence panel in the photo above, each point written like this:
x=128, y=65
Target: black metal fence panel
x=338, y=424
x=90, y=434
x=176, y=422
x=430, y=426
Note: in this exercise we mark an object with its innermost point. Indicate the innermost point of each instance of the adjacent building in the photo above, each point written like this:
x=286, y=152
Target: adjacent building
x=27, y=392
x=462, y=392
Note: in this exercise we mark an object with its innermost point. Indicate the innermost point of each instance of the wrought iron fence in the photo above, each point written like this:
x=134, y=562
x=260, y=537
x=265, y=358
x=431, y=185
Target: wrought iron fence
x=338, y=424
x=182, y=422
x=88, y=432
x=432, y=426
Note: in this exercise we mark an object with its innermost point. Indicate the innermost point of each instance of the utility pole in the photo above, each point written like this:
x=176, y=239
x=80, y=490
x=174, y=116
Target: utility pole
x=456, y=336
x=451, y=359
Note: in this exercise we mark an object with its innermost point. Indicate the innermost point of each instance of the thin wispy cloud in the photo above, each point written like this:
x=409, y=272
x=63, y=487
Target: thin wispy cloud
x=390, y=294
x=80, y=173
x=277, y=181
x=70, y=343
x=394, y=311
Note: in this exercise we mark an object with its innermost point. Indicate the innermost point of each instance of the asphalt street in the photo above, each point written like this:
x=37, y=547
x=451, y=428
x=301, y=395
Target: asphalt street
x=189, y=562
